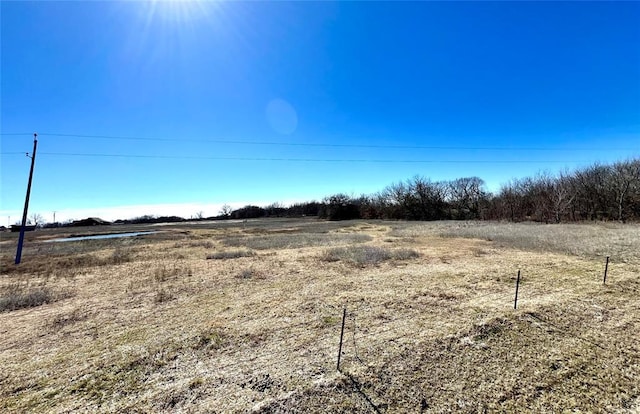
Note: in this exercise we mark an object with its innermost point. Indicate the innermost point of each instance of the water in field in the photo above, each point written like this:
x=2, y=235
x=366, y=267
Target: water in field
x=102, y=236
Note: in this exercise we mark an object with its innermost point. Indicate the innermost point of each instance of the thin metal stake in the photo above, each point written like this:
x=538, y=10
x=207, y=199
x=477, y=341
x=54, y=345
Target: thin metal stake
x=606, y=267
x=344, y=316
x=515, y=301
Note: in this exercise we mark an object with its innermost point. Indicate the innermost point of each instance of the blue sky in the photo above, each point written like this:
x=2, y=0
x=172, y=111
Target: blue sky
x=185, y=106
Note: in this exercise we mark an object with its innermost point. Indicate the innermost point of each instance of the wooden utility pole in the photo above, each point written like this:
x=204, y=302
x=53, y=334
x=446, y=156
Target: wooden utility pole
x=26, y=201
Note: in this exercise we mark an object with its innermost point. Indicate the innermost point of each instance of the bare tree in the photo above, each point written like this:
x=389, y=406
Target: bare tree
x=625, y=178
x=226, y=210
x=36, y=219
x=562, y=196
x=467, y=194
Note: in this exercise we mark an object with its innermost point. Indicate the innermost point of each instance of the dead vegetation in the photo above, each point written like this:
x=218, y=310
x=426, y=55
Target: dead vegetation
x=367, y=255
x=430, y=322
x=19, y=295
x=231, y=254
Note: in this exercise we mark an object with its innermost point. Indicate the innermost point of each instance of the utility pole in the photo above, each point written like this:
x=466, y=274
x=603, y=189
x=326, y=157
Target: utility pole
x=26, y=201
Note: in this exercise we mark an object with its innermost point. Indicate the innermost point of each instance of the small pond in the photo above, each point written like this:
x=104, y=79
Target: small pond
x=102, y=236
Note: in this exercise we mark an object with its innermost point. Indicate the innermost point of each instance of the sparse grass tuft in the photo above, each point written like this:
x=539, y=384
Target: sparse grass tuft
x=62, y=320
x=163, y=295
x=119, y=256
x=367, y=255
x=207, y=244
x=250, y=274
x=164, y=272
x=231, y=254
x=209, y=339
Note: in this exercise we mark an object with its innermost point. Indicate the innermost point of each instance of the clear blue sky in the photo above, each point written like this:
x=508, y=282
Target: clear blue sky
x=439, y=89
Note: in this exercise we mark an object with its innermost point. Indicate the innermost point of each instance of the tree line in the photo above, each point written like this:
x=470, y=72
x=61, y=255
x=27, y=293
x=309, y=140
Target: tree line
x=597, y=192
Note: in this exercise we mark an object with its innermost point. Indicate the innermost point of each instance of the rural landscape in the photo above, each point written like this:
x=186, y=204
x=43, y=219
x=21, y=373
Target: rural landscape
x=319, y=207
x=247, y=316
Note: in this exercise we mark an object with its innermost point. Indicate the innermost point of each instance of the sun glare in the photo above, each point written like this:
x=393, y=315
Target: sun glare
x=179, y=11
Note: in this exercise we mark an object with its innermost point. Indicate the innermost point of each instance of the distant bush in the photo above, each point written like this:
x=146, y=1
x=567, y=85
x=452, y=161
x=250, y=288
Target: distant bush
x=231, y=254
x=367, y=255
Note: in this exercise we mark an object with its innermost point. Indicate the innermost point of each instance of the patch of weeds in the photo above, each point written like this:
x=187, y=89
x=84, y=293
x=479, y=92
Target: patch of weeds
x=293, y=240
x=261, y=384
x=367, y=255
x=19, y=296
x=164, y=272
x=478, y=252
x=77, y=315
x=196, y=383
x=163, y=295
x=207, y=244
x=330, y=320
x=119, y=256
x=250, y=274
x=209, y=339
x=231, y=254
x=404, y=254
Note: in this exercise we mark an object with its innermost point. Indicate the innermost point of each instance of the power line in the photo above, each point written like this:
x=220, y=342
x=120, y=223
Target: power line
x=335, y=160
x=321, y=145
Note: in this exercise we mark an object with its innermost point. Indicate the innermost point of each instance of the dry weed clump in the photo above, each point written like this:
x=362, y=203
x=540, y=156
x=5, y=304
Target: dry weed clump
x=207, y=244
x=163, y=295
x=583, y=240
x=20, y=296
x=164, y=272
x=231, y=254
x=294, y=240
x=67, y=264
x=250, y=274
x=367, y=255
x=76, y=315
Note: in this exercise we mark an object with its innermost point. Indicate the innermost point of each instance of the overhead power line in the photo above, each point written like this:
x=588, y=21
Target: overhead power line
x=319, y=145
x=336, y=160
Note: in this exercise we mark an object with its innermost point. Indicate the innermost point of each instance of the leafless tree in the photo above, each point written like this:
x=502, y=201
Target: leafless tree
x=625, y=179
x=226, y=210
x=36, y=219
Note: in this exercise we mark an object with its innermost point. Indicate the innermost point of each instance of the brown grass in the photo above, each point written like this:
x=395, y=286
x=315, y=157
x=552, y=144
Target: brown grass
x=20, y=296
x=231, y=254
x=432, y=329
x=367, y=255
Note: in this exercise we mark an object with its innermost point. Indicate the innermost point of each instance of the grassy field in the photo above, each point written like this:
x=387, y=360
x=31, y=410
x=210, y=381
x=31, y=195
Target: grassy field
x=246, y=317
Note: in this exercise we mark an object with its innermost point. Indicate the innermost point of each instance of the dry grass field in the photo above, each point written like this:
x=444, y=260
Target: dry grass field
x=246, y=317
